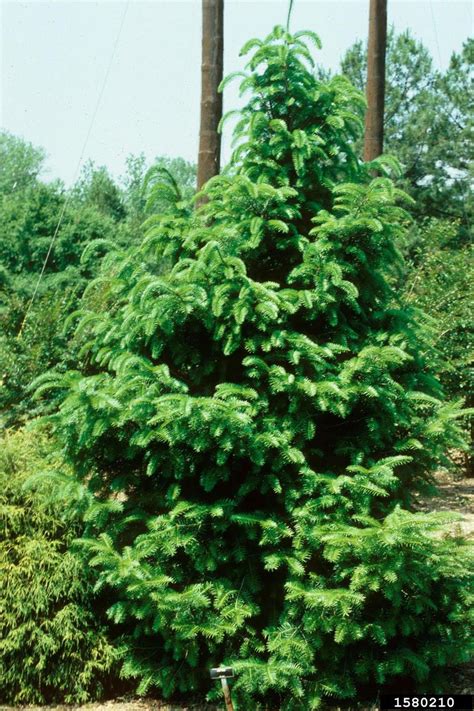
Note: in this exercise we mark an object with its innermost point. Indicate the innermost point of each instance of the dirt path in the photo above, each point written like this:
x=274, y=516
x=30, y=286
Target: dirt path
x=456, y=496
x=118, y=705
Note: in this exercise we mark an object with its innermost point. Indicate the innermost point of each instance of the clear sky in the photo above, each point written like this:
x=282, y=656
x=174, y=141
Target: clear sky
x=55, y=55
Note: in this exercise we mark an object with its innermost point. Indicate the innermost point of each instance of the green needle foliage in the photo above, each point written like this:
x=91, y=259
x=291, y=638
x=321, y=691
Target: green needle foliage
x=440, y=280
x=52, y=645
x=254, y=417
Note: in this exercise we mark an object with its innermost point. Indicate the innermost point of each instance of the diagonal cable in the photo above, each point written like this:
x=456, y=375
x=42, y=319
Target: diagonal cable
x=79, y=163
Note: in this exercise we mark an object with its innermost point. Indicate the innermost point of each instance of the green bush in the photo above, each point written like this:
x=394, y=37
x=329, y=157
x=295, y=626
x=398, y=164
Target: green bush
x=440, y=280
x=42, y=345
x=52, y=647
x=95, y=215
x=29, y=216
x=257, y=416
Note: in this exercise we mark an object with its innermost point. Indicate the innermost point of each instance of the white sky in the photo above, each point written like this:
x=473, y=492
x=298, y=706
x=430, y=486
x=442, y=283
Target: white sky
x=55, y=55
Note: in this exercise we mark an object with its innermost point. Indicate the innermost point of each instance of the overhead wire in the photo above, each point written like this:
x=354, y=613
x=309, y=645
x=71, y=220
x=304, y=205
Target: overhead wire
x=78, y=166
x=435, y=32
x=290, y=9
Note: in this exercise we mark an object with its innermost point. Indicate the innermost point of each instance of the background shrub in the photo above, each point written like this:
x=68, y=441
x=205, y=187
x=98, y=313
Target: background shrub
x=52, y=646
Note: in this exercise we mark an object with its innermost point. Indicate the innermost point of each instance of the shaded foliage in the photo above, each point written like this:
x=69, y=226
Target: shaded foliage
x=440, y=281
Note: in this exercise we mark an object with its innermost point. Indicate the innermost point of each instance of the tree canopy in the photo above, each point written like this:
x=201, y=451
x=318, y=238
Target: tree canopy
x=428, y=122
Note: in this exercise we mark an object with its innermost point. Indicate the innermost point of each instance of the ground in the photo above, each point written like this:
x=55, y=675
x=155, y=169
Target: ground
x=455, y=495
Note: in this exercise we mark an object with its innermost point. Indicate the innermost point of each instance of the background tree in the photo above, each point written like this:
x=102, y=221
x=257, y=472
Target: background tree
x=255, y=417
x=20, y=163
x=96, y=188
x=211, y=100
x=428, y=123
x=98, y=214
x=375, y=86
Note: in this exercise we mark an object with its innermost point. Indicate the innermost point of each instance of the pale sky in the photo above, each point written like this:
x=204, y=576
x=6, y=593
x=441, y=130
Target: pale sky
x=55, y=55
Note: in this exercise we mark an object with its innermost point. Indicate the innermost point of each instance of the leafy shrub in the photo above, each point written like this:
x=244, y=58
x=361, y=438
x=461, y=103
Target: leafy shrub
x=52, y=647
x=28, y=220
x=257, y=416
x=440, y=281
x=96, y=214
x=42, y=345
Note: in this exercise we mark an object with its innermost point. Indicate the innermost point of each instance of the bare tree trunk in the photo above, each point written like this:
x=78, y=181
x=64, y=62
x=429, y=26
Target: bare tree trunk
x=373, y=139
x=211, y=100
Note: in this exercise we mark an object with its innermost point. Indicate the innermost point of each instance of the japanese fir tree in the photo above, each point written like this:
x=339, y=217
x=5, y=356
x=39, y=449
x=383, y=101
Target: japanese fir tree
x=254, y=413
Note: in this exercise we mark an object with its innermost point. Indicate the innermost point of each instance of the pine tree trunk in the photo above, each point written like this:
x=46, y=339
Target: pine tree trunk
x=211, y=99
x=373, y=140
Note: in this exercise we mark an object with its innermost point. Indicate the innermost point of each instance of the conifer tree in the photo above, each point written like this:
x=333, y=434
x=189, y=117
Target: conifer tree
x=254, y=421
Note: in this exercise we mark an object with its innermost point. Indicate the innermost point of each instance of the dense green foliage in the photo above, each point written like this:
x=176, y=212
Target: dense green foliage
x=428, y=123
x=440, y=280
x=29, y=214
x=429, y=128
x=253, y=419
x=138, y=184
x=96, y=214
x=52, y=646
